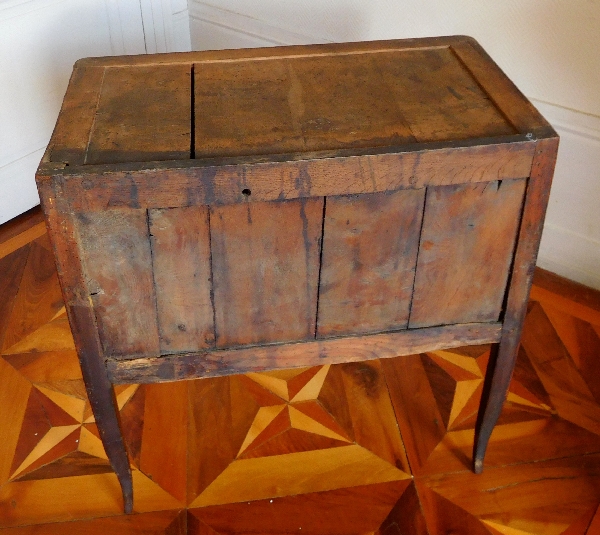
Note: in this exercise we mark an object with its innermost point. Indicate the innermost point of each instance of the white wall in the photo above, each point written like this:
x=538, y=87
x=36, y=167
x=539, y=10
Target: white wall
x=550, y=48
x=39, y=42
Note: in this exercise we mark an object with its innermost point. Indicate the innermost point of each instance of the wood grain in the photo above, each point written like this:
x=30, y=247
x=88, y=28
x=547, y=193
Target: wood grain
x=244, y=108
x=530, y=232
x=542, y=469
x=278, y=132
x=503, y=93
x=180, y=241
x=340, y=511
x=259, y=54
x=101, y=396
x=439, y=98
x=152, y=523
x=31, y=234
x=265, y=261
x=226, y=408
x=369, y=257
x=371, y=412
x=21, y=225
x=11, y=269
x=561, y=287
x=63, y=238
x=160, y=185
x=38, y=298
x=143, y=115
x=465, y=252
x=165, y=461
x=347, y=349
x=118, y=264
x=295, y=105
x=70, y=139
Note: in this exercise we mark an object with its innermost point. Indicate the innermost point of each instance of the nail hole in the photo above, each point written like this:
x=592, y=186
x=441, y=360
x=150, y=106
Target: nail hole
x=246, y=192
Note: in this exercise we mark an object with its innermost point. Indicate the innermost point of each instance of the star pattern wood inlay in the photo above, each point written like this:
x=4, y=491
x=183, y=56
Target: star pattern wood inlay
x=382, y=447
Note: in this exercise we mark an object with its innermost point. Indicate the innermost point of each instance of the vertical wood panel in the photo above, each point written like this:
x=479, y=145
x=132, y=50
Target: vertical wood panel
x=465, y=252
x=369, y=256
x=118, y=266
x=265, y=259
x=181, y=257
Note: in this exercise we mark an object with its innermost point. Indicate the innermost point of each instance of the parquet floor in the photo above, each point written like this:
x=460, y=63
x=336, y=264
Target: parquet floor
x=377, y=448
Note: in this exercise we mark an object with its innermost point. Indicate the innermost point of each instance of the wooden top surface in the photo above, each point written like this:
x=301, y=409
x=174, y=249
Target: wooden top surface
x=300, y=101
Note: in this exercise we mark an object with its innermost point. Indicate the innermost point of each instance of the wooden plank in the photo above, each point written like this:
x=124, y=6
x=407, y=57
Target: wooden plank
x=512, y=103
x=244, y=108
x=370, y=245
x=294, y=355
x=530, y=234
x=64, y=239
x=343, y=101
x=294, y=105
x=159, y=185
x=12, y=268
x=163, y=452
x=181, y=259
x=258, y=54
x=265, y=263
x=63, y=234
x=118, y=265
x=144, y=114
x=101, y=396
x=465, y=252
x=438, y=97
x=72, y=132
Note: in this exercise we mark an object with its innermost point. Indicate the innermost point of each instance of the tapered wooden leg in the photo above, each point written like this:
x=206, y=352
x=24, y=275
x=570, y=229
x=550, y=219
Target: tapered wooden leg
x=102, y=398
x=503, y=358
x=497, y=381
x=60, y=221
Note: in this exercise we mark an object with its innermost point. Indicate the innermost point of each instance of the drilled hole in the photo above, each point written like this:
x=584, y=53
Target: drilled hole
x=246, y=192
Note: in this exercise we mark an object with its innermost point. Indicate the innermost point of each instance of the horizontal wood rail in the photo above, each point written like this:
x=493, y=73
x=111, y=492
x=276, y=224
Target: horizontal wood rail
x=331, y=351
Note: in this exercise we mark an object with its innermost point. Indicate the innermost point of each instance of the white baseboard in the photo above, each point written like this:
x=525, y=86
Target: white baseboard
x=16, y=200
x=570, y=255
x=571, y=240
x=214, y=27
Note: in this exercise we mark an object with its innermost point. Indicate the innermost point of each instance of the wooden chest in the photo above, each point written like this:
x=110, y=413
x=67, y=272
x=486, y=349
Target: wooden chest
x=231, y=211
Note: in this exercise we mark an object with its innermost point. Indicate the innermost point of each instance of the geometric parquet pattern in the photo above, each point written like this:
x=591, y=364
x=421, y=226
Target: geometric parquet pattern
x=382, y=447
